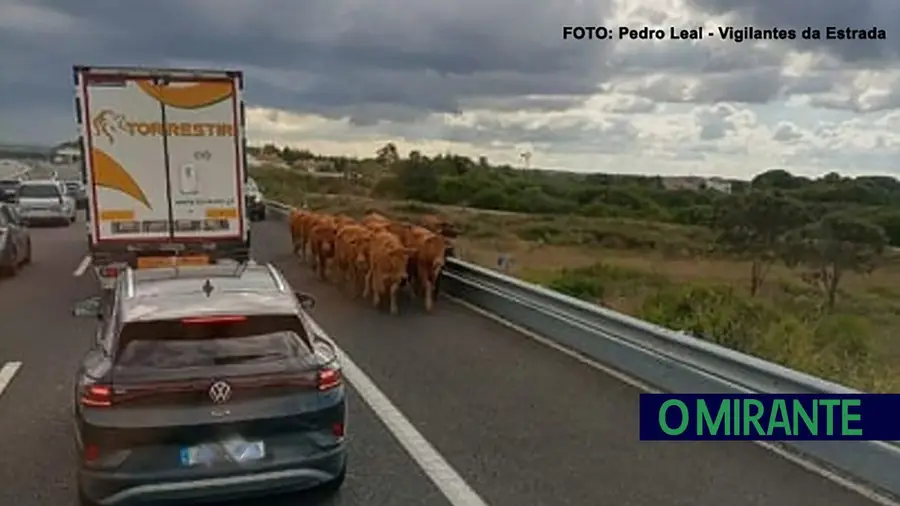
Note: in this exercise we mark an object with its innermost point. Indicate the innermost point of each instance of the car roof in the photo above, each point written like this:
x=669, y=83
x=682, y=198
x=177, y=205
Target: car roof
x=174, y=293
x=36, y=182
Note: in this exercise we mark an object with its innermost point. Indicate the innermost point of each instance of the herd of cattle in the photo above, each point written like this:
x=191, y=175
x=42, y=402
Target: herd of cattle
x=375, y=257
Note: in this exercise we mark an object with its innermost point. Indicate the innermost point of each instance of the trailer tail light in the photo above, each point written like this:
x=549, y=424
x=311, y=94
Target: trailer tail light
x=111, y=271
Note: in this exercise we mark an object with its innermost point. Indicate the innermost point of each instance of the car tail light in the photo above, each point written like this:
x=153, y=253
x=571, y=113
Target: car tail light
x=326, y=379
x=202, y=320
x=110, y=271
x=337, y=428
x=97, y=396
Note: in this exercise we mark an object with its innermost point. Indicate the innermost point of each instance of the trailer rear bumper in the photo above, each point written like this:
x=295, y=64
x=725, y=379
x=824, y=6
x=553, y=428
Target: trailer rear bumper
x=108, y=260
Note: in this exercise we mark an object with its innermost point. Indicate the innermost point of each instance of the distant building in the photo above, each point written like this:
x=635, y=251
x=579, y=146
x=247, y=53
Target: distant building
x=66, y=155
x=683, y=183
x=696, y=183
x=719, y=184
x=254, y=161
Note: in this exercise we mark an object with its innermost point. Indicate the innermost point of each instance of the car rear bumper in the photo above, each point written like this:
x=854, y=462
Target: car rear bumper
x=256, y=207
x=35, y=216
x=116, y=489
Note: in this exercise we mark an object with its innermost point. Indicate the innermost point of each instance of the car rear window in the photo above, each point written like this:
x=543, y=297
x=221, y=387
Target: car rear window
x=39, y=191
x=176, y=344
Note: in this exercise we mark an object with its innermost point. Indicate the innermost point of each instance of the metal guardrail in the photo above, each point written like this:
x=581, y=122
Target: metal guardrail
x=664, y=358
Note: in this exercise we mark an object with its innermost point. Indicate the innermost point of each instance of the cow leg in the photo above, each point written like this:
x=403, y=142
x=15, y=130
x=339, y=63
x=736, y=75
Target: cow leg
x=411, y=277
x=376, y=294
x=367, y=283
x=393, y=294
x=322, y=267
x=313, y=253
x=429, y=293
x=353, y=281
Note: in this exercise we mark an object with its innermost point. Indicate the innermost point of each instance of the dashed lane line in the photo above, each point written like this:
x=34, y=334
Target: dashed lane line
x=7, y=373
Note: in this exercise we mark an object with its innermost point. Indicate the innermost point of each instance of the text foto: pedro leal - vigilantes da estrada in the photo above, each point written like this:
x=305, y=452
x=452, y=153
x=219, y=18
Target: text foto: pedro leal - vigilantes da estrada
x=736, y=34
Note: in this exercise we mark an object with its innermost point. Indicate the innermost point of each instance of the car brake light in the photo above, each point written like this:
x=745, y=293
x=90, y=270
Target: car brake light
x=337, y=429
x=200, y=320
x=97, y=396
x=109, y=272
x=326, y=379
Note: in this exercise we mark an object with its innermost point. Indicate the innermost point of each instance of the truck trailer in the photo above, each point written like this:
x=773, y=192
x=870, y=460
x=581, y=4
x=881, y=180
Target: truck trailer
x=164, y=167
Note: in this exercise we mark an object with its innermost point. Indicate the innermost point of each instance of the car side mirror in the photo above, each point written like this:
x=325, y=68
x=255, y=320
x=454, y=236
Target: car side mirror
x=306, y=300
x=90, y=307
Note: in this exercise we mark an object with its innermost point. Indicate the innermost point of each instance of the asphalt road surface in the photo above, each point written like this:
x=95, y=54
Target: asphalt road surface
x=521, y=424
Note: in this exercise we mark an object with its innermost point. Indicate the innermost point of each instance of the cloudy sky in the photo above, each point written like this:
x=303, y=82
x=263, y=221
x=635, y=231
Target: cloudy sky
x=496, y=78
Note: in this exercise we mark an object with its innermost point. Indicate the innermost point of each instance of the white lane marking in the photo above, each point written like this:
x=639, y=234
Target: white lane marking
x=435, y=466
x=85, y=262
x=866, y=492
x=7, y=373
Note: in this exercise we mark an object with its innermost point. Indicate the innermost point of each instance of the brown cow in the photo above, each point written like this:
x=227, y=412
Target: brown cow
x=439, y=225
x=388, y=259
x=301, y=226
x=296, y=220
x=375, y=221
x=427, y=262
x=343, y=220
x=351, y=255
x=321, y=243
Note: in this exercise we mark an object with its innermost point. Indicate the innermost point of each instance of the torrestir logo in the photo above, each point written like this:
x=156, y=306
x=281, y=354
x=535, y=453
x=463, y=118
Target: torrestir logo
x=110, y=124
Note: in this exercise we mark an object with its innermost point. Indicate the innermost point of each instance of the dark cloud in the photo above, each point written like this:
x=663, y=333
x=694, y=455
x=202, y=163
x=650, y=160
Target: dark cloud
x=400, y=60
x=397, y=59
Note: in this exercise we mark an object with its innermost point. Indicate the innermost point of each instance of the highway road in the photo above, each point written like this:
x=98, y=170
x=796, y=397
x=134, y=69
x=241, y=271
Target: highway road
x=520, y=423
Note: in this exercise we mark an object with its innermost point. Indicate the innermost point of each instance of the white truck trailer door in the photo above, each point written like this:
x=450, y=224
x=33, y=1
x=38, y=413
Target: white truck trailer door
x=124, y=159
x=204, y=145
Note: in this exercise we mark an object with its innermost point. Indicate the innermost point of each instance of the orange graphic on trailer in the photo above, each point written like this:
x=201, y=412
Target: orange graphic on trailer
x=192, y=96
x=108, y=173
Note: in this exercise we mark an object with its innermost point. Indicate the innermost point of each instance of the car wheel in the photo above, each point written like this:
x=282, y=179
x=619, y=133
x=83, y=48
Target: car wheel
x=262, y=215
x=12, y=268
x=27, y=259
x=83, y=500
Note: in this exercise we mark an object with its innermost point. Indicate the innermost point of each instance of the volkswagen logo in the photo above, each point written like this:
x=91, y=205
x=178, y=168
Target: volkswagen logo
x=220, y=392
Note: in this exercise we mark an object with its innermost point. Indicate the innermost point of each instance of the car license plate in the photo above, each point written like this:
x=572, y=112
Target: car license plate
x=244, y=451
x=231, y=450
x=157, y=262
x=200, y=455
